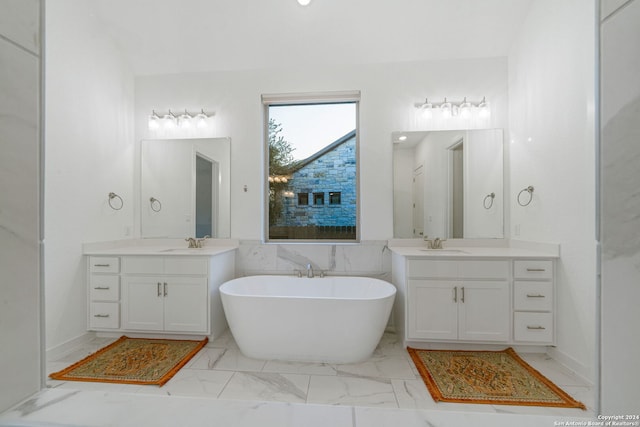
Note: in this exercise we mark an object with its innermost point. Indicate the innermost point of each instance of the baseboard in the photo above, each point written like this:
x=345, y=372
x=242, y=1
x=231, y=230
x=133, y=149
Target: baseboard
x=60, y=350
x=577, y=368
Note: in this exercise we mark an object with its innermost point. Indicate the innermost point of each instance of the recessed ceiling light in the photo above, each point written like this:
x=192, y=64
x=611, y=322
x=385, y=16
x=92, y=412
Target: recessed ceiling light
x=304, y=2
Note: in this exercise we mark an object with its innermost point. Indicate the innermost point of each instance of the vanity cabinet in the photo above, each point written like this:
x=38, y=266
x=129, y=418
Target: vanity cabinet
x=467, y=299
x=159, y=294
x=458, y=300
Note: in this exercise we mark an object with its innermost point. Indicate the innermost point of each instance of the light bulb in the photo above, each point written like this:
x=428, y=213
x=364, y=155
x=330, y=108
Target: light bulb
x=169, y=120
x=485, y=111
x=185, y=120
x=427, y=109
x=446, y=109
x=465, y=109
x=154, y=121
x=201, y=120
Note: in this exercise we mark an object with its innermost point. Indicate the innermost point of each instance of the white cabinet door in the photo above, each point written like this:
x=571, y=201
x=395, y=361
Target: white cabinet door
x=185, y=304
x=143, y=303
x=483, y=311
x=432, y=310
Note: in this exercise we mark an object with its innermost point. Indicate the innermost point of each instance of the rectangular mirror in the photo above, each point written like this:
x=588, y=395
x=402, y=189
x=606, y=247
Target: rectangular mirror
x=185, y=188
x=448, y=184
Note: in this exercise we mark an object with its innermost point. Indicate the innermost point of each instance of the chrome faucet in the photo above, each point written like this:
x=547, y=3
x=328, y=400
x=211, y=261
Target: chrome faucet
x=192, y=242
x=309, y=271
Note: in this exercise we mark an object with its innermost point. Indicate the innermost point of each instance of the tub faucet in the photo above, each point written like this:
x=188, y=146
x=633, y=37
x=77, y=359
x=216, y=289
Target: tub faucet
x=309, y=271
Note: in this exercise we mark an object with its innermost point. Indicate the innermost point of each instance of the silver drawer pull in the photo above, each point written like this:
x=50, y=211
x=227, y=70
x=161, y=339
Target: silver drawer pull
x=536, y=327
x=102, y=288
x=165, y=289
x=100, y=315
x=159, y=289
x=535, y=296
x=102, y=265
x=536, y=269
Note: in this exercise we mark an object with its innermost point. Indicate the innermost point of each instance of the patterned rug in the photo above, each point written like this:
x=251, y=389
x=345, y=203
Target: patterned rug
x=133, y=361
x=492, y=377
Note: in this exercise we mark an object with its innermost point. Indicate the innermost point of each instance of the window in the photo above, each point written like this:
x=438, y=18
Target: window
x=311, y=149
x=334, y=198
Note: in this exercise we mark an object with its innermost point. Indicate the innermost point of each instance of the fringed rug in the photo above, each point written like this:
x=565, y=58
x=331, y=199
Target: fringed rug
x=492, y=377
x=133, y=361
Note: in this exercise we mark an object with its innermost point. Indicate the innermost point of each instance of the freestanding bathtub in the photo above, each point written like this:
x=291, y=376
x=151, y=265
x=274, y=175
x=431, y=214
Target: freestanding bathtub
x=329, y=319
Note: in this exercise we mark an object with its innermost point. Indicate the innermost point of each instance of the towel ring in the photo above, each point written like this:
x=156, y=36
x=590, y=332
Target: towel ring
x=490, y=197
x=156, y=206
x=112, y=196
x=529, y=190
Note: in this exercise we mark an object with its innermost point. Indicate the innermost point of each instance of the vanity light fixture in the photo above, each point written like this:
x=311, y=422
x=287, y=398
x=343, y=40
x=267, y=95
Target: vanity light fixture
x=448, y=109
x=304, y=2
x=182, y=121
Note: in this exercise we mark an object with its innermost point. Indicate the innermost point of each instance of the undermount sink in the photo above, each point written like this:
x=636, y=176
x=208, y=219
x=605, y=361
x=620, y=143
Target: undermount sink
x=444, y=251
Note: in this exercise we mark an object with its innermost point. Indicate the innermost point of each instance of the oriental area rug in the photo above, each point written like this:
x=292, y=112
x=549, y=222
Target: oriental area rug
x=133, y=361
x=492, y=377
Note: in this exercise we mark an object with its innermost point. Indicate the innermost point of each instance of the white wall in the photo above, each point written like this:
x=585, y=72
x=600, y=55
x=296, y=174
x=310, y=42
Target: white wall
x=20, y=201
x=620, y=204
x=89, y=153
x=552, y=148
x=388, y=93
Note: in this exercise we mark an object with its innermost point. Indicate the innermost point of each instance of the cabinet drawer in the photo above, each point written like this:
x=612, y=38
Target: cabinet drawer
x=104, y=315
x=533, y=269
x=484, y=269
x=533, y=327
x=533, y=296
x=104, y=264
x=104, y=287
x=143, y=265
x=429, y=268
x=186, y=265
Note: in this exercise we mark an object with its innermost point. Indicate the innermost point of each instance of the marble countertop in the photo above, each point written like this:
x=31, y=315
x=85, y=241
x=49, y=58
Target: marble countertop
x=477, y=249
x=472, y=252
x=163, y=247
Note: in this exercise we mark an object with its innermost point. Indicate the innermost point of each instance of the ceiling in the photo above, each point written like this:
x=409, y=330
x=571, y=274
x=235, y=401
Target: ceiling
x=162, y=36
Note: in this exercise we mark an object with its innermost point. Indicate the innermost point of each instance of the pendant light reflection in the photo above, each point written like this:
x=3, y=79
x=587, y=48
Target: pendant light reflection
x=185, y=120
x=465, y=109
x=427, y=109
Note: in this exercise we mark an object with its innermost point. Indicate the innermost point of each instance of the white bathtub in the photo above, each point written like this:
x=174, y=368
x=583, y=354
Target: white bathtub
x=329, y=319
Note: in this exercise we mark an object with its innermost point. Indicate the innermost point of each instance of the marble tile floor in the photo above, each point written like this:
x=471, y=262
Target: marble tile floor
x=385, y=388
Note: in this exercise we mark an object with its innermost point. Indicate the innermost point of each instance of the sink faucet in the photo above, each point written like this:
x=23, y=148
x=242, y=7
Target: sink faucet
x=309, y=271
x=199, y=242
x=435, y=243
x=192, y=242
